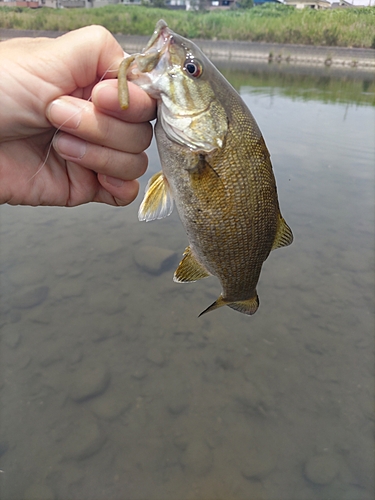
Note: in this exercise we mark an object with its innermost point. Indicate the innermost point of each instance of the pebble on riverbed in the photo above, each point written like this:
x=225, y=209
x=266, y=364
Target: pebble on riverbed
x=155, y=356
x=154, y=260
x=30, y=298
x=258, y=464
x=197, y=459
x=11, y=335
x=39, y=492
x=83, y=438
x=89, y=381
x=322, y=469
x=110, y=406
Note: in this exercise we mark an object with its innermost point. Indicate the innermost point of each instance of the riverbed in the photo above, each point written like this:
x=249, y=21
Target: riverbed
x=112, y=388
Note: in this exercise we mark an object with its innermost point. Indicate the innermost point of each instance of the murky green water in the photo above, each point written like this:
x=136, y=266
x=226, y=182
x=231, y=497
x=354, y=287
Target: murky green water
x=112, y=388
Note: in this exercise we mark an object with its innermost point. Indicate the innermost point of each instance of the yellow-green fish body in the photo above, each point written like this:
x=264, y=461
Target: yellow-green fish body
x=216, y=168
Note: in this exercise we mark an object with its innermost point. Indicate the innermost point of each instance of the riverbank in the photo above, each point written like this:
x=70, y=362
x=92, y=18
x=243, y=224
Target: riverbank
x=279, y=24
x=227, y=50
x=283, y=54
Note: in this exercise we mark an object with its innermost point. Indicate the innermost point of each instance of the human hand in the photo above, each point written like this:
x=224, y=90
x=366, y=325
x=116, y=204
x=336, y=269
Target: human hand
x=99, y=151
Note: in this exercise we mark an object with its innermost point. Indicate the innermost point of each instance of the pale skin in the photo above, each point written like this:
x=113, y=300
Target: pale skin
x=99, y=152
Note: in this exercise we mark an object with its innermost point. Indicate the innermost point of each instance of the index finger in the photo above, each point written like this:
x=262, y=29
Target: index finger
x=142, y=108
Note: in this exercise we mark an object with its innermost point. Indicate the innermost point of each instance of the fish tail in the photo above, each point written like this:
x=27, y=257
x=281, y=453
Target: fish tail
x=218, y=303
x=248, y=306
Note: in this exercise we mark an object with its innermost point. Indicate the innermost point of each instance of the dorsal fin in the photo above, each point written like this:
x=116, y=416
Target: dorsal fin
x=189, y=269
x=284, y=235
x=157, y=202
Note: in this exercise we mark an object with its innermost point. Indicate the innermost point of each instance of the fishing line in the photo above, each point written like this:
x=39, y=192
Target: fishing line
x=109, y=70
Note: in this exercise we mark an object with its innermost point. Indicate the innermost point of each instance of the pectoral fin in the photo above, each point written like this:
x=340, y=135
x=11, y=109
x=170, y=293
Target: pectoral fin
x=189, y=269
x=284, y=235
x=157, y=202
x=205, y=179
x=248, y=307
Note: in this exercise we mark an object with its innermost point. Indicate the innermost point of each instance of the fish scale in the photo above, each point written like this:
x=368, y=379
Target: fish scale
x=216, y=168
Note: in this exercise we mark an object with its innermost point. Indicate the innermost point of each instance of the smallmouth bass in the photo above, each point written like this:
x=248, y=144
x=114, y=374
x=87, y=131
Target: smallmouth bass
x=215, y=167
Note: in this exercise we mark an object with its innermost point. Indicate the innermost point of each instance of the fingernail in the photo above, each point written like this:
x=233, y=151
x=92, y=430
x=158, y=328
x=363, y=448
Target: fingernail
x=114, y=181
x=64, y=114
x=70, y=146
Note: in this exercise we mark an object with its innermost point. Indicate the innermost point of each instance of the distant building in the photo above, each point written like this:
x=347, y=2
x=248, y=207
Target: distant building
x=261, y=2
x=20, y=3
x=187, y=4
x=310, y=4
x=177, y=4
x=224, y=4
x=341, y=3
x=71, y=4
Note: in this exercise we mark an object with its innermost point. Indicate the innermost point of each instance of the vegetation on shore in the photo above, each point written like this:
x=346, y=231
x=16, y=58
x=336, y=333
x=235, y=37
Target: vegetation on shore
x=352, y=27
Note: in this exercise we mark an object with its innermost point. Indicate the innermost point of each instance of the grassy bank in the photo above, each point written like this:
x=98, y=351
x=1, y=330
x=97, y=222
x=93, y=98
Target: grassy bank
x=352, y=27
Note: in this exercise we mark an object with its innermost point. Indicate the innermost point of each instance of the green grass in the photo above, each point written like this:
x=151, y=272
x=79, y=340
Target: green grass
x=352, y=27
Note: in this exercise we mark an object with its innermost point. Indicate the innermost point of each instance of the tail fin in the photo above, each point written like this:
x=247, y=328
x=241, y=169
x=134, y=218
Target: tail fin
x=248, y=306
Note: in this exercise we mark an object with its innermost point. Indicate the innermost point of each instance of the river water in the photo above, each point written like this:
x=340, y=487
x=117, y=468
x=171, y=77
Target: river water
x=112, y=388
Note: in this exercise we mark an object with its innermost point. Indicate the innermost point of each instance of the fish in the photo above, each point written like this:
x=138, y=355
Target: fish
x=216, y=168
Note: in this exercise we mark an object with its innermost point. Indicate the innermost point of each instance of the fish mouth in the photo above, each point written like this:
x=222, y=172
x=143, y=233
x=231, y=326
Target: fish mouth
x=161, y=33
x=156, y=58
x=188, y=114
x=156, y=50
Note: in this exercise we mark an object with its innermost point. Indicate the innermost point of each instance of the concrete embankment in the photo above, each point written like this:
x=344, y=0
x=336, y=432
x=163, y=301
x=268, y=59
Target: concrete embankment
x=225, y=50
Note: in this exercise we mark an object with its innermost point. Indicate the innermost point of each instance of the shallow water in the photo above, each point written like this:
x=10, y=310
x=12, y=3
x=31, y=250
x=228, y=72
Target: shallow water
x=112, y=388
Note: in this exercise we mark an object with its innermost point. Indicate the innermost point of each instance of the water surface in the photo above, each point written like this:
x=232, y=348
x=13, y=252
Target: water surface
x=112, y=388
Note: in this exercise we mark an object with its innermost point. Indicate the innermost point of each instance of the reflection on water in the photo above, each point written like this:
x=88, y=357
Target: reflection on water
x=330, y=85
x=112, y=388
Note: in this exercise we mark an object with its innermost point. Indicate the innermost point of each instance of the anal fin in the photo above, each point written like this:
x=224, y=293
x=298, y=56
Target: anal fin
x=284, y=235
x=157, y=202
x=189, y=269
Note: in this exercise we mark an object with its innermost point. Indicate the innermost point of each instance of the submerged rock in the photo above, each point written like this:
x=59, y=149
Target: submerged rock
x=106, y=301
x=177, y=397
x=39, y=492
x=258, y=464
x=197, y=459
x=154, y=260
x=89, y=381
x=49, y=355
x=83, y=439
x=68, y=288
x=27, y=273
x=322, y=469
x=30, y=298
x=155, y=356
x=11, y=335
x=110, y=406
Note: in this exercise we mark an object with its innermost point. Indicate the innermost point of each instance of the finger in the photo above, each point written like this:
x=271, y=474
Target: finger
x=85, y=186
x=82, y=119
x=142, y=107
x=107, y=161
x=116, y=193
x=88, y=53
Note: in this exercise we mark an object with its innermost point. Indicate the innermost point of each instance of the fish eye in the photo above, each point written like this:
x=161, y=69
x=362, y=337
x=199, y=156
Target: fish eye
x=194, y=68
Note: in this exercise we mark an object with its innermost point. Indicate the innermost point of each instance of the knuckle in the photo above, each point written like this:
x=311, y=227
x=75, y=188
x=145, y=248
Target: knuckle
x=143, y=162
x=144, y=136
x=104, y=129
x=104, y=160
